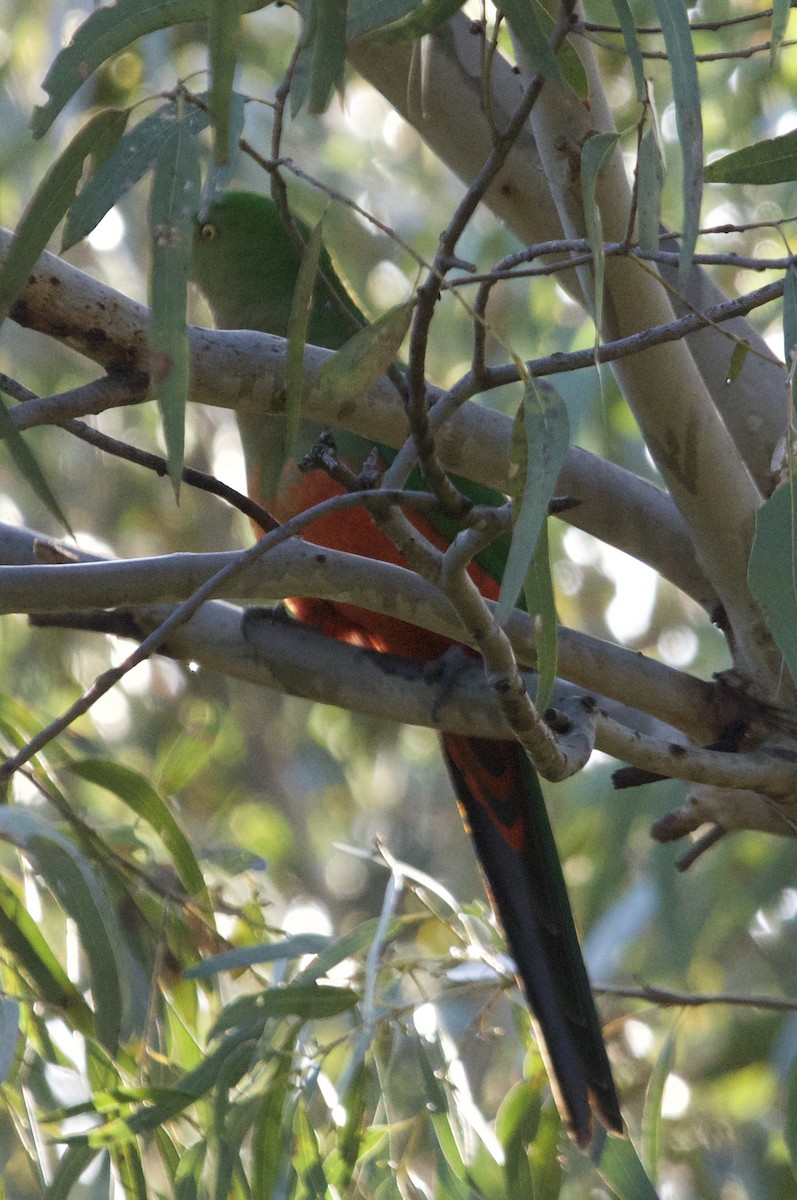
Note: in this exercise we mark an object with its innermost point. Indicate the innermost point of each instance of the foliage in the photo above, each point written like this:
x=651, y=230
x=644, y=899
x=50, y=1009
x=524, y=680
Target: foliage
x=206, y=991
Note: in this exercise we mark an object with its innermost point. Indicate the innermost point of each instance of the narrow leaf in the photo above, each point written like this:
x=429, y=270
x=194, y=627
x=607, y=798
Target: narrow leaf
x=524, y=21
x=366, y=356
x=49, y=203
x=301, y=303
x=130, y=1170
x=790, y=327
x=674, y=20
x=138, y=794
x=248, y=956
x=539, y=444
x=419, y=21
x=790, y=1118
x=650, y=176
x=780, y=17
x=136, y=154
x=322, y=58
x=363, y=16
x=106, y=31
x=625, y=20
x=28, y=466
x=594, y=155
x=651, y=1114
x=174, y=202
x=223, y=34
x=9, y=1035
x=82, y=894
x=620, y=1169
x=738, y=359
x=71, y=1166
x=773, y=160
x=772, y=571
x=21, y=936
x=538, y=590
x=516, y=1126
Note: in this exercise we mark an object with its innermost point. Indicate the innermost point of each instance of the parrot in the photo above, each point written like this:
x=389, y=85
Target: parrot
x=246, y=265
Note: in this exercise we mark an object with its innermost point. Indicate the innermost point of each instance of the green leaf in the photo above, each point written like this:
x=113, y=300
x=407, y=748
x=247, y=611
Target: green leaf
x=296, y=332
x=82, y=894
x=527, y=27
x=365, y=356
x=790, y=327
x=620, y=1169
x=189, y=1172
x=790, y=1118
x=223, y=36
x=129, y=1170
x=594, y=155
x=780, y=17
x=248, y=956
x=772, y=570
x=363, y=16
x=651, y=1114
x=515, y=1127
x=625, y=20
x=71, y=1166
x=20, y=935
x=650, y=176
x=136, y=154
x=269, y=1147
x=322, y=58
x=422, y=19
x=674, y=20
x=738, y=359
x=538, y=447
x=540, y=601
x=109, y=29
x=28, y=466
x=139, y=795
x=174, y=202
x=9, y=1035
x=773, y=160
x=49, y=203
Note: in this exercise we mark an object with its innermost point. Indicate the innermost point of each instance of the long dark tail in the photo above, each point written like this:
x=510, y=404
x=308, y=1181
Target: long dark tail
x=502, y=804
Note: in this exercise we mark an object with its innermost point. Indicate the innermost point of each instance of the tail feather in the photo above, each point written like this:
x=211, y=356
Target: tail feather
x=503, y=806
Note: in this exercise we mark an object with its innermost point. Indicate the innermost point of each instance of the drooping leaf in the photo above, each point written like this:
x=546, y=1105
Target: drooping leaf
x=298, y=320
x=527, y=27
x=738, y=359
x=136, y=154
x=28, y=465
x=772, y=570
x=594, y=155
x=539, y=444
x=650, y=175
x=71, y=1166
x=625, y=20
x=50, y=201
x=106, y=31
x=366, y=356
x=23, y=938
x=322, y=58
x=773, y=160
x=790, y=326
x=174, y=202
x=540, y=601
x=780, y=17
x=139, y=796
x=621, y=1170
x=674, y=20
x=224, y=21
x=83, y=896
x=516, y=1126
x=651, y=1115
x=9, y=1035
x=129, y=1169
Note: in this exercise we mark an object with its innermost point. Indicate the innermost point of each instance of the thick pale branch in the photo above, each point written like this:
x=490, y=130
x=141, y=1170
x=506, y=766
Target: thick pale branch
x=300, y=569
x=244, y=371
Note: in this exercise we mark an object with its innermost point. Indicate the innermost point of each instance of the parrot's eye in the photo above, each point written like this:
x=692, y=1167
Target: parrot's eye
x=208, y=233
